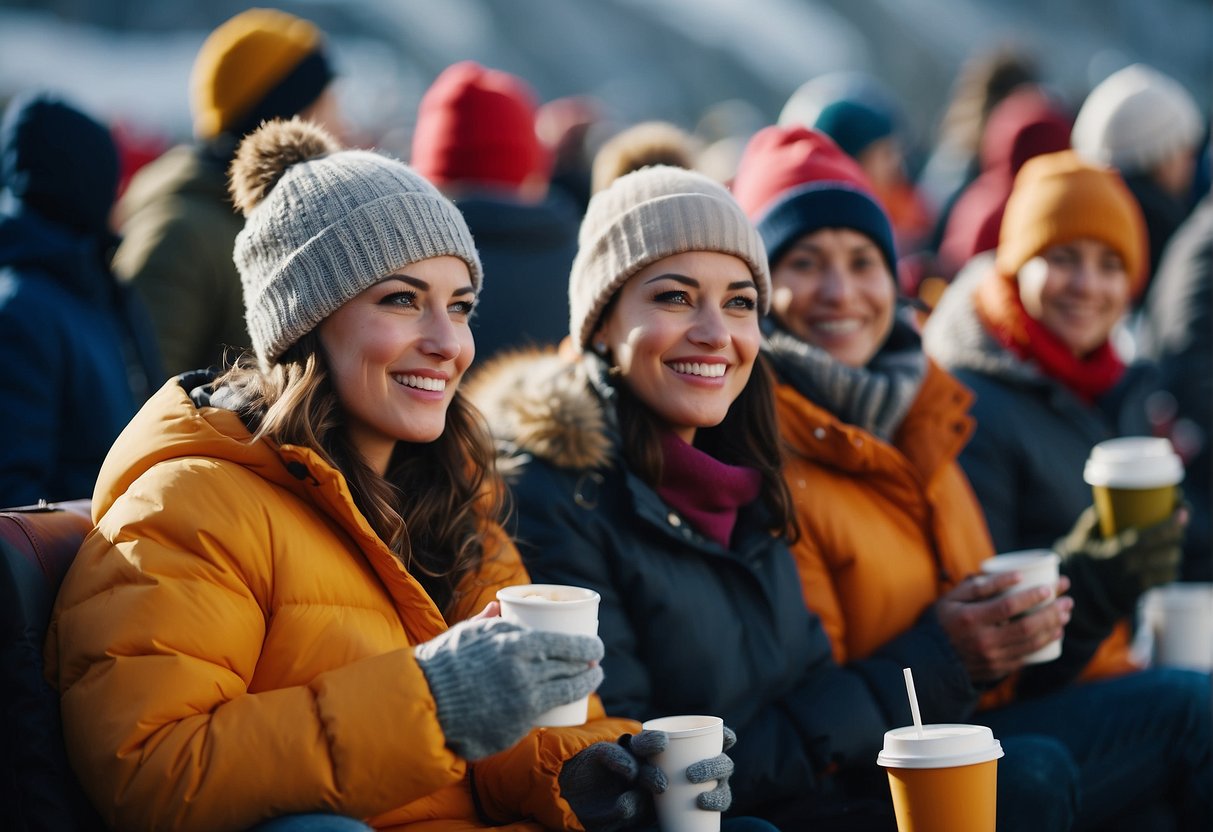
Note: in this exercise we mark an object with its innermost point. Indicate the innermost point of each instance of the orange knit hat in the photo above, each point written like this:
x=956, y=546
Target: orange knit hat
x=1057, y=198
x=259, y=65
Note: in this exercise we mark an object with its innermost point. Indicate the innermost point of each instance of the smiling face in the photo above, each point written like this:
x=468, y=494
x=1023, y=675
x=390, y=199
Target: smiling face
x=833, y=290
x=684, y=334
x=396, y=353
x=1078, y=290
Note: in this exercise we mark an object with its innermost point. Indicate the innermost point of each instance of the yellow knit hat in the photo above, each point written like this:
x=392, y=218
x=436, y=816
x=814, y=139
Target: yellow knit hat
x=249, y=59
x=1058, y=197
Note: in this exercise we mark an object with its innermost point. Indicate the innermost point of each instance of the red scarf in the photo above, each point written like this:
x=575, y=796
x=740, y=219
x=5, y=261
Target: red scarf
x=1003, y=315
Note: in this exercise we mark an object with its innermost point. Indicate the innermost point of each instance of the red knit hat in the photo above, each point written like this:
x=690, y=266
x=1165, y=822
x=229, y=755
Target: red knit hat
x=477, y=124
x=777, y=159
x=792, y=181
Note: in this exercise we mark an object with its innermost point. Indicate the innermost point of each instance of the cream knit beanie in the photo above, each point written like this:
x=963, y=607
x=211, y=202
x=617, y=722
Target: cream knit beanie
x=322, y=224
x=644, y=216
x=1134, y=119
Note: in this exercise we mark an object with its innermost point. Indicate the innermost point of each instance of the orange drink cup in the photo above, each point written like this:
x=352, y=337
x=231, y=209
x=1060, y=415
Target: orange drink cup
x=943, y=778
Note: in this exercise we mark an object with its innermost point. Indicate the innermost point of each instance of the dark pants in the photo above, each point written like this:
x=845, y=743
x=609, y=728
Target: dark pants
x=1141, y=744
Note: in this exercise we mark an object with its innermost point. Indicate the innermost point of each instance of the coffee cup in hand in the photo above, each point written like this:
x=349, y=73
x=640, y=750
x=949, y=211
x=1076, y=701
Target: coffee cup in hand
x=1036, y=567
x=1133, y=480
x=558, y=609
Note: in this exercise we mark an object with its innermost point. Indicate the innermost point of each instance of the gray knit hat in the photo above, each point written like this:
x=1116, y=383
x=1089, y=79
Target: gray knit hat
x=323, y=224
x=644, y=216
x=1135, y=118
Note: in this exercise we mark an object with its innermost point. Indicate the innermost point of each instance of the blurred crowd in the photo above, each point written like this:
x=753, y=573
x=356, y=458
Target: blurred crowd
x=929, y=358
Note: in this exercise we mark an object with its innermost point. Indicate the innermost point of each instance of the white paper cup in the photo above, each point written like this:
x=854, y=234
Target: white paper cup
x=1036, y=567
x=1180, y=618
x=692, y=738
x=556, y=609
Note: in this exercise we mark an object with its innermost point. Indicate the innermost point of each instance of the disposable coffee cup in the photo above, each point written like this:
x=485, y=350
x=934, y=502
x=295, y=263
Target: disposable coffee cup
x=692, y=738
x=1036, y=567
x=1180, y=618
x=555, y=609
x=943, y=778
x=1133, y=482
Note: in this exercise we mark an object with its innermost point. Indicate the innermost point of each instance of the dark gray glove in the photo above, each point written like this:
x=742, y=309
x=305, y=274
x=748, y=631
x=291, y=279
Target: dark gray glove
x=491, y=678
x=610, y=785
x=1108, y=575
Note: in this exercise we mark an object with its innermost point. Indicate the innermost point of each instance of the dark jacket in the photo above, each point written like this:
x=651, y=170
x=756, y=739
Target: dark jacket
x=1163, y=212
x=527, y=251
x=1177, y=332
x=78, y=354
x=691, y=627
x=1033, y=435
x=179, y=229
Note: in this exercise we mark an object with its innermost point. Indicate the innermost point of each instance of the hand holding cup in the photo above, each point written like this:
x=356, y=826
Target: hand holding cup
x=994, y=628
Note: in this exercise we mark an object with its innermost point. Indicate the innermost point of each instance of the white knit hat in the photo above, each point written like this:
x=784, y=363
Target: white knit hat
x=644, y=216
x=1135, y=118
x=323, y=224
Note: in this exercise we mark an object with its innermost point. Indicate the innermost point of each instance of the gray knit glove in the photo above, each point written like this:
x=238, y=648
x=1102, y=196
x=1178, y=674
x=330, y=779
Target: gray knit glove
x=719, y=768
x=491, y=678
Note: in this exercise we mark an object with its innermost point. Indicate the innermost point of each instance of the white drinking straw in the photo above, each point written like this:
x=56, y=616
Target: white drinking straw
x=913, y=700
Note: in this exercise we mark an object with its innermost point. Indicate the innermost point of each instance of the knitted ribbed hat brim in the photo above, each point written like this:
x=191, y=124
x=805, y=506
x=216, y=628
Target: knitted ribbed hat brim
x=661, y=225
x=330, y=229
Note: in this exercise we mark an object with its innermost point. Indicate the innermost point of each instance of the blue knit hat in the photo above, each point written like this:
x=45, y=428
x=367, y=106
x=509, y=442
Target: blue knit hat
x=854, y=125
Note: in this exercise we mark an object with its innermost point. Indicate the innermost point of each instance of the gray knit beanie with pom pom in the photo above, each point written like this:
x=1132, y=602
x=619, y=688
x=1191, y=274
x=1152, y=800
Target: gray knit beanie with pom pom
x=323, y=224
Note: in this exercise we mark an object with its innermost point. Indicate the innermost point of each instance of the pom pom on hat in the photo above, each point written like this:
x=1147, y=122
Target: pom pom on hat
x=324, y=224
x=259, y=65
x=647, y=215
x=793, y=181
x=1135, y=118
x=478, y=125
x=1059, y=197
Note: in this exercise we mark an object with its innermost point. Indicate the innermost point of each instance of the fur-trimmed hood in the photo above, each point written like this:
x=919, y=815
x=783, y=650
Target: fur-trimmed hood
x=956, y=339
x=541, y=404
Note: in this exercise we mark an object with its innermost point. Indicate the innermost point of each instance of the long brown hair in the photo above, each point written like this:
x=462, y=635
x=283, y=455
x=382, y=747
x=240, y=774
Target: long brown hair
x=748, y=435
x=432, y=505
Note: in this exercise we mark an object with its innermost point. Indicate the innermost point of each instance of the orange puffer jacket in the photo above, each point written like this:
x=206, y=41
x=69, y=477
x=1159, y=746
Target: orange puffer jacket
x=233, y=642
x=886, y=528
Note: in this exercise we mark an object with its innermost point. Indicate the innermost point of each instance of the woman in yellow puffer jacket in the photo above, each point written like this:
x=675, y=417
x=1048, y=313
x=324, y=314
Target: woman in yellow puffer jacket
x=263, y=623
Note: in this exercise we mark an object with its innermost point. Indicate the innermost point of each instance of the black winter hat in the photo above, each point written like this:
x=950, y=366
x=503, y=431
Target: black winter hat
x=59, y=162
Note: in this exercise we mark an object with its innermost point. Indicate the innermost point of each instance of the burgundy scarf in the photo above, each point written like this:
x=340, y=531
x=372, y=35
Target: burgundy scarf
x=704, y=490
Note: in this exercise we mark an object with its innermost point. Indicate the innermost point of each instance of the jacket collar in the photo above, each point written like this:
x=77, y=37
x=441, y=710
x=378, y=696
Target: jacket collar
x=541, y=404
x=179, y=421
x=933, y=432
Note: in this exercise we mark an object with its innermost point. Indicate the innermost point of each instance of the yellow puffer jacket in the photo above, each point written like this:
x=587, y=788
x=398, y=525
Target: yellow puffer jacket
x=233, y=642
x=886, y=528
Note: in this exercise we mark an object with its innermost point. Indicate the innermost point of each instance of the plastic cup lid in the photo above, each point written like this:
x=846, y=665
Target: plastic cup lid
x=1134, y=462
x=940, y=746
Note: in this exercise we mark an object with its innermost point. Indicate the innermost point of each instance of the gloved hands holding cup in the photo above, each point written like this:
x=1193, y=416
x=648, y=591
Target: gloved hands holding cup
x=491, y=679
x=1109, y=574
x=610, y=786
